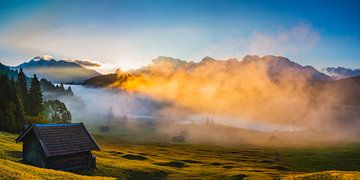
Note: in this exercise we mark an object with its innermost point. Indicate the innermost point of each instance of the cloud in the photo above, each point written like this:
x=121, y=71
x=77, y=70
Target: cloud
x=128, y=49
x=44, y=57
x=132, y=49
x=104, y=68
x=299, y=39
x=87, y=63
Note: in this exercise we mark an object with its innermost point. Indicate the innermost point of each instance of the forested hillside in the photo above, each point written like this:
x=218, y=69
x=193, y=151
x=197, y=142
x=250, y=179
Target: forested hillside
x=22, y=103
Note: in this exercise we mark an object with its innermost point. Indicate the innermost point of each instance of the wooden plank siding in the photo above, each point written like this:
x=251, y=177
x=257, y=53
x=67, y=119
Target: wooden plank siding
x=79, y=160
x=32, y=151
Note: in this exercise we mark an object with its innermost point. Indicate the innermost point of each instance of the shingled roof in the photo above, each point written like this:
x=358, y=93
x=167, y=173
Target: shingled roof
x=62, y=139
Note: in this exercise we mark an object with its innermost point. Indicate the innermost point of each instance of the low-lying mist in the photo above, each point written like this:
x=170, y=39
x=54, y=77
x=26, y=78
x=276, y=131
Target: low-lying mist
x=94, y=105
x=258, y=100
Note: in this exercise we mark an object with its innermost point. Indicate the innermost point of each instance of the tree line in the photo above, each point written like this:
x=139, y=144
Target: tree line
x=21, y=103
x=55, y=90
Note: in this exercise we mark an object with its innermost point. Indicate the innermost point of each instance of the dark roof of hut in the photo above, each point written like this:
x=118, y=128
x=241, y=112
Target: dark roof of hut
x=62, y=139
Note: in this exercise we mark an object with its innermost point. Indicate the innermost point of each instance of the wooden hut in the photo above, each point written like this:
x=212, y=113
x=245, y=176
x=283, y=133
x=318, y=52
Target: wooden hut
x=58, y=146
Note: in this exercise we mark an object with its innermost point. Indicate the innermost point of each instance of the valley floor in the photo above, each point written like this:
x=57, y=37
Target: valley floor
x=122, y=159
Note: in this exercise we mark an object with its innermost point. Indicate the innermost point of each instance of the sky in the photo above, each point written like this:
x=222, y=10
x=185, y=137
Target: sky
x=129, y=34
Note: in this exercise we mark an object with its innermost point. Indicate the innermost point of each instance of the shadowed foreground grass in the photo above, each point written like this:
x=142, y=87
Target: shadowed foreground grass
x=13, y=170
x=328, y=175
x=122, y=159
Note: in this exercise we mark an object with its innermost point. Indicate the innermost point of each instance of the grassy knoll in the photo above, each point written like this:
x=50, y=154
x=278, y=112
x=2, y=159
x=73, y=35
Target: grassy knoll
x=11, y=166
x=124, y=159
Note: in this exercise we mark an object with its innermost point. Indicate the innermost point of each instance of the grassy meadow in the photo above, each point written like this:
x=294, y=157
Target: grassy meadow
x=124, y=158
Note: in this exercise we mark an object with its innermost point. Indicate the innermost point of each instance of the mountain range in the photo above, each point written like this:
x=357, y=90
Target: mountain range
x=340, y=72
x=57, y=71
x=249, y=71
x=277, y=68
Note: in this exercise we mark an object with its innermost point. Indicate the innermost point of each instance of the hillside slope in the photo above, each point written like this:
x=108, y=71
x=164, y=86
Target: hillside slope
x=5, y=70
x=12, y=168
x=128, y=159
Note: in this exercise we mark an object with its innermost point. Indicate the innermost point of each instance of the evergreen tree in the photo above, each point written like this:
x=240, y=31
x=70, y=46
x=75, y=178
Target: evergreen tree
x=62, y=86
x=69, y=91
x=23, y=90
x=111, y=116
x=6, y=106
x=20, y=118
x=35, y=97
x=12, y=113
x=9, y=120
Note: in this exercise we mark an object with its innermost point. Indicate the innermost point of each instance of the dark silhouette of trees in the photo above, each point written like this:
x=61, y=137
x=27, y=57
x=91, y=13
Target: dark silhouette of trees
x=20, y=105
x=12, y=113
x=55, y=90
x=7, y=107
x=62, y=86
x=35, y=96
x=69, y=91
x=23, y=89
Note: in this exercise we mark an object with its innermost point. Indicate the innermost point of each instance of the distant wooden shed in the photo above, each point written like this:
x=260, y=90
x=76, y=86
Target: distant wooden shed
x=58, y=146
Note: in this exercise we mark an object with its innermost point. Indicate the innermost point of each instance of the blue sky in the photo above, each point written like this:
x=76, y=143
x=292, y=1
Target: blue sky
x=128, y=34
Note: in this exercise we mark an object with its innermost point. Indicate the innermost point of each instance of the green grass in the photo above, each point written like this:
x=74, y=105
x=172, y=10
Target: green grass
x=12, y=168
x=328, y=175
x=128, y=159
x=345, y=158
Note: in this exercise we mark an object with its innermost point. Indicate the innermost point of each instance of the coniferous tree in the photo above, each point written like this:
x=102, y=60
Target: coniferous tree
x=23, y=91
x=62, y=86
x=9, y=116
x=12, y=115
x=69, y=91
x=6, y=106
x=35, y=97
x=18, y=113
x=20, y=118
